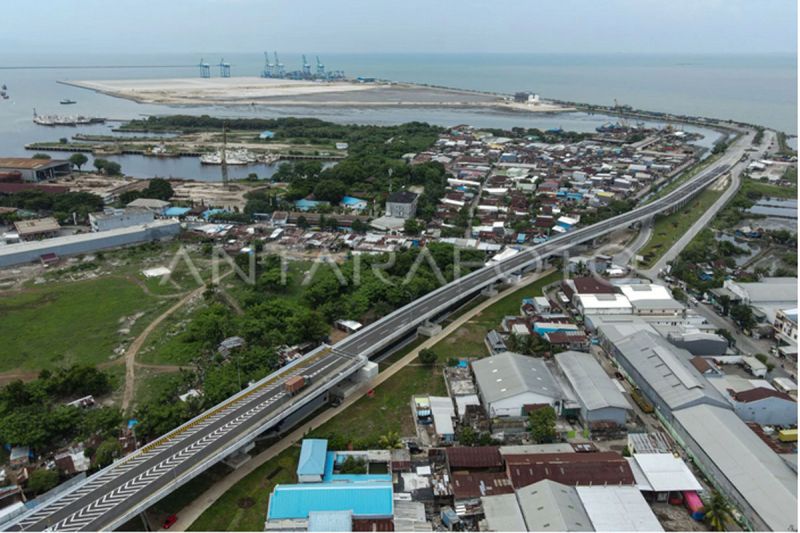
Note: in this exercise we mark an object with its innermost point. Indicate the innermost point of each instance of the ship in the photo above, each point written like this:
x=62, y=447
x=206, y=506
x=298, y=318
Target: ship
x=64, y=120
x=232, y=157
x=67, y=101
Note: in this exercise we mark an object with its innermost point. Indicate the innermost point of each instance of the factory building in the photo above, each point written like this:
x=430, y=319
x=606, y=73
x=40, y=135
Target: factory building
x=120, y=218
x=599, y=398
x=34, y=170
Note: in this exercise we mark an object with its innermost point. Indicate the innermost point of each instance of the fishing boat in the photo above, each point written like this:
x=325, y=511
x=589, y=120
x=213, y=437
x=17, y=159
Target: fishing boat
x=232, y=157
x=67, y=101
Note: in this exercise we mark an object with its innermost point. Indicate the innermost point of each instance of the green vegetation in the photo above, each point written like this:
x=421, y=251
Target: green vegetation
x=542, y=423
x=427, y=357
x=244, y=506
x=109, y=168
x=668, y=229
x=157, y=189
x=70, y=323
x=719, y=512
x=62, y=206
x=42, y=480
x=35, y=414
x=78, y=160
x=467, y=340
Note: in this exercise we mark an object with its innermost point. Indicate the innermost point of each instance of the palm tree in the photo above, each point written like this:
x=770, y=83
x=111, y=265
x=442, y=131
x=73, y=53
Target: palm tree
x=390, y=441
x=718, y=512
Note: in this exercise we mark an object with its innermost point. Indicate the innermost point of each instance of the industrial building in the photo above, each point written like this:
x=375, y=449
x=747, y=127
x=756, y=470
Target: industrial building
x=507, y=382
x=25, y=252
x=765, y=406
x=120, y=218
x=662, y=372
x=34, y=170
x=37, y=228
x=551, y=506
x=741, y=465
x=598, y=396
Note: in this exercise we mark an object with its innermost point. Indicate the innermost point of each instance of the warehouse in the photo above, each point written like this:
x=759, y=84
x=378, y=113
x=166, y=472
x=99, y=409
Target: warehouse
x=37, y=228
x=618, y=508
x=33, y=170
x=509, y=381
x=663, y=373
x=741, y=465
x=602, y=304
x=598, y=396
x=25, y=252
x=551, y=506
x=120, y=218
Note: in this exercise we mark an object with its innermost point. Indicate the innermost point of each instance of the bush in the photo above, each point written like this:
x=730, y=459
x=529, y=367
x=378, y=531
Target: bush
x=427, y=357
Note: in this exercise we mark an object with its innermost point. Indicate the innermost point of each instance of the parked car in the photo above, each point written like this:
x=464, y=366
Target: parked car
x=169, y=521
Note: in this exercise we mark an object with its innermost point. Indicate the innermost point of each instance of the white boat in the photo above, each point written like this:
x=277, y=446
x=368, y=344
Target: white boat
x=232, y=157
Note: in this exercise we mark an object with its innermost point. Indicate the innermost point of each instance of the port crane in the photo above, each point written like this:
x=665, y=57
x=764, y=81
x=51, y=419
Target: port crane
x=205, y=69
x=268, y=67
x=320, y=69
x=224, y=69
x=278, y=67
x=306, y=68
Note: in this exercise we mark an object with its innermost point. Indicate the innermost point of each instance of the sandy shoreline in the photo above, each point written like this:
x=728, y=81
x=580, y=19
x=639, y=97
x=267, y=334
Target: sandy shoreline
x=275, y=92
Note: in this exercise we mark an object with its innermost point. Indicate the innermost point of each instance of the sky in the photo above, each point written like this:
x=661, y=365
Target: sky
x=400, y=26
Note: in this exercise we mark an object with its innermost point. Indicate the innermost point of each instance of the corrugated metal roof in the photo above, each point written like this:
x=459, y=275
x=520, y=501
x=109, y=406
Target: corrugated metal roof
x=30, y=163
x=757, y=473
x=618, y=509
x=665, y=472
x=312, y=457
x=503, y=513
x=369, y=499
x=667, y=370
x=551, y=506
x=330, y=521
x=508, y=374
x=594, y=388
x=478, y=457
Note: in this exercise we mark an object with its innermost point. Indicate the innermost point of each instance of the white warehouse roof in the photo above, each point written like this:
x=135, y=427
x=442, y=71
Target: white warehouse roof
x=603, y=301
x=645, y=291
x=664, y=472
x=618, y=508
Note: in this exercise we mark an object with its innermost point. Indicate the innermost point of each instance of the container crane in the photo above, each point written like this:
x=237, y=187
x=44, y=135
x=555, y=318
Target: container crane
x=306, y=68
x=205, y=69
x=224, y=69
x=320, y=69
x=269, y=68
x=278, y=67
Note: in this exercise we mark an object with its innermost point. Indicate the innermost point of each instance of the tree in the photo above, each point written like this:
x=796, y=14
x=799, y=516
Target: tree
x=78, y=160
x=41, y=156
x=159, y=189
x=109, y=168
x=42, y=480
x=359, y=227
x=718, y=512
x=390, y=441
x=302, y=222
x=330, y=191
x=743, y=315
x=412, y=227
x=427, y=357
x=467, y=436
x=542, y=424
x=108, y=450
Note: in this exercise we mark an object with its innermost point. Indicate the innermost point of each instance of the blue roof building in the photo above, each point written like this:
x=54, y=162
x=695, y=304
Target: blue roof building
x=335, y=459
x=353, y=203
x=311, y=466
x=176, y=211
x=370, y=499
x=266, y=134
x=211, y=212
x=307, y=205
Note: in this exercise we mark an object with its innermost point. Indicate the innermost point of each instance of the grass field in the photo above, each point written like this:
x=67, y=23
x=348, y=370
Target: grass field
x=59, y=324
x=244, y=506
x=467, y=340
x=668, y=229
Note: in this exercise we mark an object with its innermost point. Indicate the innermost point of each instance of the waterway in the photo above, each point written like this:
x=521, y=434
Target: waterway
x=675, y=84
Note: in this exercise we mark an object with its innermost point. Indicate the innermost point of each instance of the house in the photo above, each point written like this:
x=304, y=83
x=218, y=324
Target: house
x=37, y=228
x=599, y=398
x=227, y=346
x=495, y=343
x=20, y=456
x=158, y=207
x=508, y=381
x=443, y=413
x=311, y=465
x=765, y=407
x=785, y=326
x=402, y=204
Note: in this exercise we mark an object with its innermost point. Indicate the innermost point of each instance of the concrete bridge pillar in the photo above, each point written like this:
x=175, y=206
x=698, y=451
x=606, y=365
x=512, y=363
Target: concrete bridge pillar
x=429, y=329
